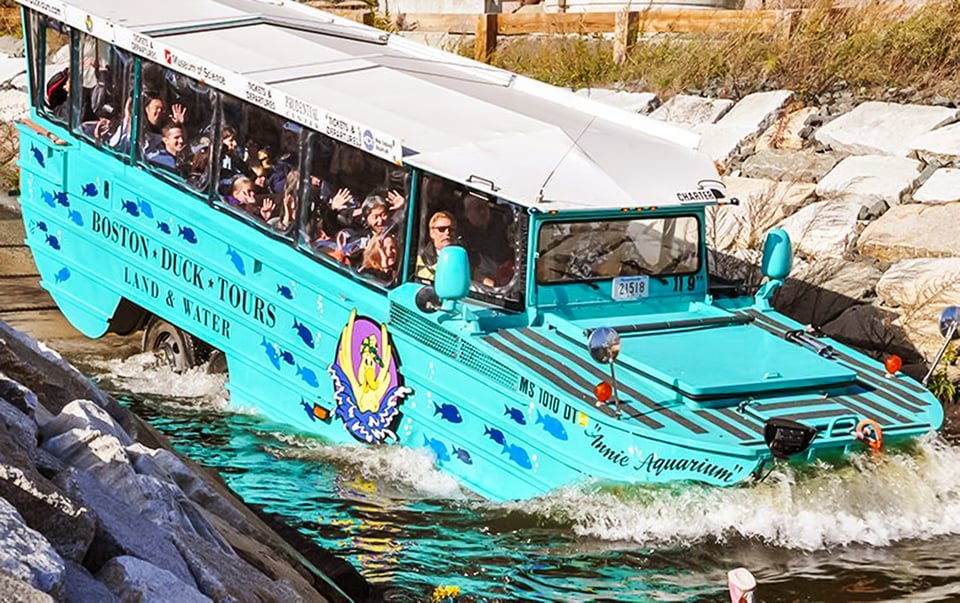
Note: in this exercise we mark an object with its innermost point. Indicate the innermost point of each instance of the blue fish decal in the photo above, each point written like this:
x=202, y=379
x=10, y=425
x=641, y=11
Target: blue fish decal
x=62, y=275
x=308, y=376
x=287, y=357
x=75, y=216
x=303, y=332
x=131, y=208
x=61, y=198
x=285, y=291
x=463, y=455
x=496, y=435
x=53, y=241
x=552, y=425
x=187, y=234
x=145, y=208
x=164, y=227
x=37, y=155
x=90, y=190
x=48, y=198
x=516, y=415
x=271, y=352
x=237, y=260
x=448, y=412
x=41, y=225
x=518, y=455
x=439, y=448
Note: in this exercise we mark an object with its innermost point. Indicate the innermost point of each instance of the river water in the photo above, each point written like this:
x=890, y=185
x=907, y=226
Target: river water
x=875, y=529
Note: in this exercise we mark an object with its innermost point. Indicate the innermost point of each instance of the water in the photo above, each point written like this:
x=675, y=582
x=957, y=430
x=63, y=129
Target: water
x=874, y=529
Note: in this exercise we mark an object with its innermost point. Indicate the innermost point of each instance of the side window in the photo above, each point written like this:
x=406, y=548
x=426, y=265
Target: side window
x=492, y=231
x=50, y=67
x=357, y=210
x=176, y=126
x=106, y=94
x=259, y=171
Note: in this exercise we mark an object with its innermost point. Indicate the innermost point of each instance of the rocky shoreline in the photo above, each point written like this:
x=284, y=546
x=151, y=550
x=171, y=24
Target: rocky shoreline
x=96, y=506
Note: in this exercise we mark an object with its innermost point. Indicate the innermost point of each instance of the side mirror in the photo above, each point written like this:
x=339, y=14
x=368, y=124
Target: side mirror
x=949, y=321
x=777, y=255
x=604, y=345
x=452, y=280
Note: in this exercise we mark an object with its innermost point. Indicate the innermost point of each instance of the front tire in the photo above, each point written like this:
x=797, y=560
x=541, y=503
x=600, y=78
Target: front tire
x=172, y=346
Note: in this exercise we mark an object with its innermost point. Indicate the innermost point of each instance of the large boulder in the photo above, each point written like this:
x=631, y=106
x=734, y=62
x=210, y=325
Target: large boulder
x=26, y=555
x=762, y=205
x=869, y=129
x=15, y=589
x=81, y=587
x=789, y=166
x=913, y=231
x=121, y=530
x=873, y=180
x=819, y=291
x=81, y=414
x=67, y=526
x=824, y=228
x=133, y=579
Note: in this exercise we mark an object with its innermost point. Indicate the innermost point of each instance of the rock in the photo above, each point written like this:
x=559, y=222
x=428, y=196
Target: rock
x=9, y=69
x=12, y=46
x=14, y=589
x=824, y=228
x=943, y=186
x=227, y=577
x=871, y=179
x=913, y=231
x=13, y=104
x=121, y=530
x=54, y=381
x=81, y=587
x=44, y=508
x=737, y=265
x=789, y=166
x=133, y=579
x=870, y=328
x=818, y=292
x=26, y=555
x=867, y=129
x=741, y=124
x=83, y=414
x=939, y=147
x=634, y=102
x=20, y=397
x=89, y=449
x=763, y=204
x=784, y=134
x=687, y=110
x=18, y=436
x=914, y=283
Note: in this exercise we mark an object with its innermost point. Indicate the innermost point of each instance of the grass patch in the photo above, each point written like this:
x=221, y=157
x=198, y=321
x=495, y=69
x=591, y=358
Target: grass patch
x=872, y=48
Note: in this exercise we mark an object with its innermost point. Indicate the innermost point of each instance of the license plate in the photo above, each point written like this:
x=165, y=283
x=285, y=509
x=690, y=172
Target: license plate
x=631, y=287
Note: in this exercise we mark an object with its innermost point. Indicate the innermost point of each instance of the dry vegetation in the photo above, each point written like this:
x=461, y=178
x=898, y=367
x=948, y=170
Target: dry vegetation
x=871, y=49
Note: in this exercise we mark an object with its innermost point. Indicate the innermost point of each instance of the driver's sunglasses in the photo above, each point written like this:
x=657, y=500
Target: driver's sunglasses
x=442, y=228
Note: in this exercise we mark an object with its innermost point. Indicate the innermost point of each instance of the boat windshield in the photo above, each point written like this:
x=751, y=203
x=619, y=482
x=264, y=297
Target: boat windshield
x=596, y=250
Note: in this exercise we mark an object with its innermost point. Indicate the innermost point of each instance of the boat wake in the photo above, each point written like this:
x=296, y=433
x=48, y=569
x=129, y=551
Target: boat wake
x=870, y=500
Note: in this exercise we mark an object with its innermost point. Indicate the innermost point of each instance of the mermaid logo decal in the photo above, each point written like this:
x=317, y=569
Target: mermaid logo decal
x=368, y=388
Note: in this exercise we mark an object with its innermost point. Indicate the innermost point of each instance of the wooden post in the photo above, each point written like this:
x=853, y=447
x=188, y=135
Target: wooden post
x=486, y=40
x=624, y=35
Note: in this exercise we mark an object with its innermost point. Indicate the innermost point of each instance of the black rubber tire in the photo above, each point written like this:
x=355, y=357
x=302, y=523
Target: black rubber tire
x=173, y=347
x=217, y=364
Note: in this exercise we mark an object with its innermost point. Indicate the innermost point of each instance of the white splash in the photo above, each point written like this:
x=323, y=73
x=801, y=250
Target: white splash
x=875, y=501
x=393, y=468
x=142, y=373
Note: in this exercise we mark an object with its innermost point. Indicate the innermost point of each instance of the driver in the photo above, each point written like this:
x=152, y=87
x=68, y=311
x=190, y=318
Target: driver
x=442, y=232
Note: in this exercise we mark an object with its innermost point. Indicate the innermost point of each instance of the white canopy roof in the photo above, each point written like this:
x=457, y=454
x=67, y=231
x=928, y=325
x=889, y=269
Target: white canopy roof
x=534, y=144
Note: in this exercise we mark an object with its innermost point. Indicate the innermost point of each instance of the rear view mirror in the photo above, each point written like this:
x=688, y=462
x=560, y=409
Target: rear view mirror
x=777, y=255
x=452, y=280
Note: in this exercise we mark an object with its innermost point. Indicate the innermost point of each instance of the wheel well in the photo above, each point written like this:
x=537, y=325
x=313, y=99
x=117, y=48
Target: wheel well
x=128, y=318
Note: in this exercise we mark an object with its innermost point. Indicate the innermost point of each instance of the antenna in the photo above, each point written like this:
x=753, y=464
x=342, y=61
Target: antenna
x=573, y=145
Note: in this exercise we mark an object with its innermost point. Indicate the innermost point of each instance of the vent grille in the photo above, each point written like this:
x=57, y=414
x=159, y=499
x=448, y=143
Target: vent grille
x=440, y=340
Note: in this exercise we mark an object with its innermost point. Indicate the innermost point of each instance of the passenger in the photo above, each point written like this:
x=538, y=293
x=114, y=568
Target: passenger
x=285, y=222
x=233, y=159
x=153, y=111
x=485, y=239
x=171, y=151
x=442, y=233
x=114, y=132
x=380, y=259
x=288, y=159
x=376, y=213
